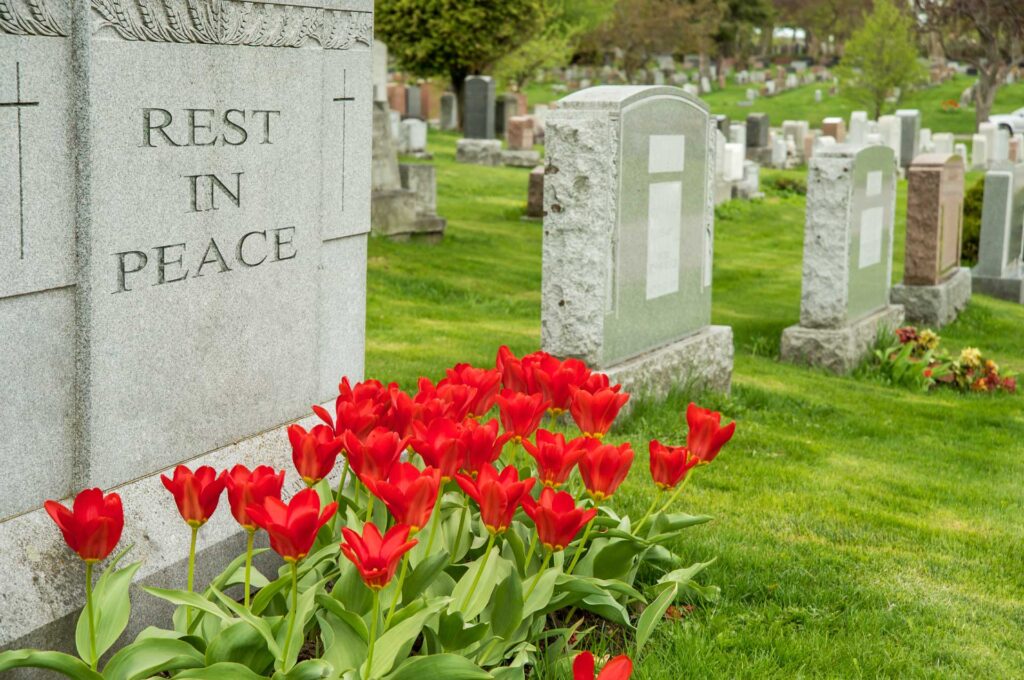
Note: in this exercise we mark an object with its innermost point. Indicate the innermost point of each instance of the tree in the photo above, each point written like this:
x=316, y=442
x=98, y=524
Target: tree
x=737, y=24
x=565, y=23
x=880, y=57
x=822, y=19
x=986, y=34
x=455, y=38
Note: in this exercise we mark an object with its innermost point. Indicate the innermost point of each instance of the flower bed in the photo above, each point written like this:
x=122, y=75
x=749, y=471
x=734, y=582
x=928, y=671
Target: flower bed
x=914, y=358
x=455, y=545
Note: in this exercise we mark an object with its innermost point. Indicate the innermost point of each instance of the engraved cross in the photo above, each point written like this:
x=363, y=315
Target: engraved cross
x=344, y=99
x=18, y=105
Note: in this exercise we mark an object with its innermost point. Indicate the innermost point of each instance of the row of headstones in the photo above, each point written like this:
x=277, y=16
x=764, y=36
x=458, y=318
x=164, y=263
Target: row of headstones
x=488, y=117
x=629, y=234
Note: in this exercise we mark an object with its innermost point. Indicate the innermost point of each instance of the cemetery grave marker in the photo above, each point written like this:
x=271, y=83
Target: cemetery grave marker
x=1000, y=269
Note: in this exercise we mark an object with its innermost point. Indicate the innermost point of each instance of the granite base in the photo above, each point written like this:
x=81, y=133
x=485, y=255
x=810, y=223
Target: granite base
x=838, y=350
x=935, y=306
x=478, y=152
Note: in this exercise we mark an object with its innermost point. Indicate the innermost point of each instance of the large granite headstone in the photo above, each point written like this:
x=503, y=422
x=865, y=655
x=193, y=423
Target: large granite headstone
x=1000, y=269
x=910, y=126
x=184, y=205
x=628, y=238
x=478, y=102
x=935, y=287
x=847, y=272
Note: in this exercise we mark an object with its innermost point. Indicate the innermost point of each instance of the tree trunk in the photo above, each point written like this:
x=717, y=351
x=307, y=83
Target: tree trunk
x=989, y=80
x=458, y=78
x=767, y=35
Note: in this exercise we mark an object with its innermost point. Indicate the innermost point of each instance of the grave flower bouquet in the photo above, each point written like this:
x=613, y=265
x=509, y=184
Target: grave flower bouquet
x=916, y=359
x=472, y=534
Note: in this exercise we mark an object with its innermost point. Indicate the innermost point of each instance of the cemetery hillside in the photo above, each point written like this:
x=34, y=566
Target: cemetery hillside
x=532, y=340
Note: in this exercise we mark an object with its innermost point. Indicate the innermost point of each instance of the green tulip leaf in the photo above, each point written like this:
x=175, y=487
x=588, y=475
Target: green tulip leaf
x=653, y=614
x=475, y=588
x=220, y=671
x=422, y=575
x=111, y=610
x=65, y=664
x=394, y=645
x=614, y=559
x=151, y=656
x=187, y=599
x=507, y=606
x=455, y=634
x=344, y=647
x=310, y=669
x=446, y=666
x=261, y=624
x=240, y=643
x=542, y=592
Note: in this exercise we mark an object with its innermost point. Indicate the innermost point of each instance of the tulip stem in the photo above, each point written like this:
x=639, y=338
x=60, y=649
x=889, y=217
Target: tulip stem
x=479, y=572
x=248, y=563
x=579, y=549
x=434, y=520
x=337, y=498
x=675, y=495
x=369, y=507
x=398, y=590
x=529, y=554
x=191, y=575
x=647, y=515
x=536, y=579
x=373, y=632
x=93, y=661
x=291, y=619
x=462, y=527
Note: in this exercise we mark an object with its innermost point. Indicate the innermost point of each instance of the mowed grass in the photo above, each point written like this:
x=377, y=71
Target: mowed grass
x=860, y=530
x=799, y=103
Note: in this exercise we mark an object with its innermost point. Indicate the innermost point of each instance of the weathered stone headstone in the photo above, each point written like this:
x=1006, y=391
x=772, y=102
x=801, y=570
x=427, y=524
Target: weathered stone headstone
x=988, y=130
x=449, y=112
x=1001, y=147
x=535, y=194
x=847, y=273
x=891, y=130
x=798, y=130
x=505, y=107
x=478, y=102
x=935, y=287
x=757, y=130
x=414, y=136
x=943, y=142
x=835, y=128
x=520, y=132
x=733, y=162
x=183, y=223
x=979, y=152
x=738, y=134
x=1000, y=270
x=413, y=102
x=910, y=126
x=380, y=71
x=628, y=238
x=818, y=96
x=396, y=98
x=858, y=127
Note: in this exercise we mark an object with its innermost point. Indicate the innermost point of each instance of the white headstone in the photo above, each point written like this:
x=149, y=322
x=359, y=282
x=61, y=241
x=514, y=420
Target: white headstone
x=858, y=127
x=943, y=142
x=380, y=71
x=414, y=135
x=1000, y=146
x=817, y=96
x=738, y=134
x=960, y=149
x=891, y=129
x=734, y=156
x=979, y=152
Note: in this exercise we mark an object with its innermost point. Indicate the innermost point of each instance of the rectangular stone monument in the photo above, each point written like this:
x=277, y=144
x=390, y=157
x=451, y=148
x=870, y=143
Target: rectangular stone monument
x=535, y=194
x=183, y=230
x=738, y=134
x=910, y=126
x=505, y=107
x=858, y=127
x=449, y=112
x=847, y=273
x=413, y=102
x=520, y=133
x=629, y=237
x=891, y=130
x=935, y=287
x=380, y=71
x=478, y=103
x=943, y=142
x=835, y=128
x=757, y=130
x=979, y=152
x=797, y=130
x=1000, y=270
x=396, y=97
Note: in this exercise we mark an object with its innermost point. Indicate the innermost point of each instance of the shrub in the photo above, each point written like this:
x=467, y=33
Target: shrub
x=972, y=222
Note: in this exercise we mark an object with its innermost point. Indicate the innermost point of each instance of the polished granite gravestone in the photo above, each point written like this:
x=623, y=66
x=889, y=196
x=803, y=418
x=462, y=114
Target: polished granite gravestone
x=628, y=238
x=910, y=127
x=184, y=206
x=848, y=240
x=478, y=145
x=935, y=287
x=1000, y=269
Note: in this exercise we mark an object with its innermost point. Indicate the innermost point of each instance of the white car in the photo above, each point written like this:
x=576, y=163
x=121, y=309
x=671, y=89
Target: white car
x=1013, y=122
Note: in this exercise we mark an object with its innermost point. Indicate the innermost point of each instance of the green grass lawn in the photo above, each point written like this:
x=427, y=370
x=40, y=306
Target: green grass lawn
x=861, y=530
x=799, y=104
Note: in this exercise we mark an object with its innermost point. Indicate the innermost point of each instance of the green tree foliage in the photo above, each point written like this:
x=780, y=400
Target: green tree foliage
x=455, y=38
x=880, y=57
x=565, y=23
x=738, y=21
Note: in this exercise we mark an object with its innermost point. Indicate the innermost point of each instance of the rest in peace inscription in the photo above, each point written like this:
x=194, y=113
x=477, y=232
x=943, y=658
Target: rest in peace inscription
x=166, y=263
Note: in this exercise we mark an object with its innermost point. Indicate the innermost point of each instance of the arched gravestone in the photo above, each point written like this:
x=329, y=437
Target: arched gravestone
x=629, y=237
x=182, y=263
x=1000, y=268
x=935, y=287
x=847, y=272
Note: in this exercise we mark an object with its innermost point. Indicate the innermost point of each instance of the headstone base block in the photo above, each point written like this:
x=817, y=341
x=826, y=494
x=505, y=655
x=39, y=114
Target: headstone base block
x=1004, y=289
x=699, y=361
x=478, y=152
x=838, y=350
x=520, y=158
x=935, y=306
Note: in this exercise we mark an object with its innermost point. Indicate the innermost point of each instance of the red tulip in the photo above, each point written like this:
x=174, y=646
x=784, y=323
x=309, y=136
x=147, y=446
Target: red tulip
x=556, y=517
x=247, y=488
x=399, y=411
x=555, y=458
x=521, y=413
x=706, y=438
x=446, y=400
x=196, y=494
x=669, y=464
x=313, y=452
x=93, y=526
x=594, y=412
x=440, y=446
x=377, y=557
x=357, y=409
x=485, y=381
x=372, y=459
x=498, y=495
x=293, y=526
x=409, y=493
x=513, y=376
x=557, y=381
x=619, y=668
x=481, y=443
x=603, y=468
